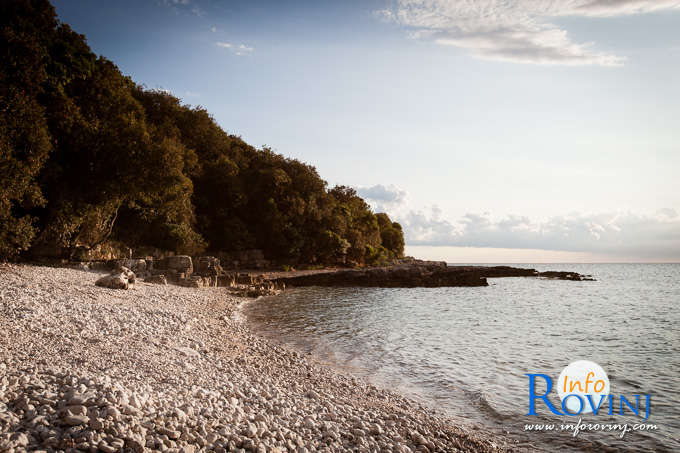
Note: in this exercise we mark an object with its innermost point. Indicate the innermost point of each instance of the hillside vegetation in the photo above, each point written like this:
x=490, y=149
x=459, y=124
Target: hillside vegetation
x=88, y=158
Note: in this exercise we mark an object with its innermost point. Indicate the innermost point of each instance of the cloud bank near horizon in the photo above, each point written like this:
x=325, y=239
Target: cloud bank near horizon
x=520, y=31
x=655, y=236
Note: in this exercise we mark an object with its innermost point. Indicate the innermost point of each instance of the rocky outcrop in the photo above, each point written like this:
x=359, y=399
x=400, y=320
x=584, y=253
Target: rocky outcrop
x=508, y=271
x=136, y=265
x=267, y=288
x=121, y=278
x=196, y=281
x=420, y=274
x=566, y=276
x=400, y=276
x=207, y=271
x=208, y=266
x=181, y=264
x=157, y=279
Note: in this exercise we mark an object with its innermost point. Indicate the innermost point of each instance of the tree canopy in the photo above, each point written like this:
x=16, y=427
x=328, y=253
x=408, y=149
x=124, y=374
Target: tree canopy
x=88, y=157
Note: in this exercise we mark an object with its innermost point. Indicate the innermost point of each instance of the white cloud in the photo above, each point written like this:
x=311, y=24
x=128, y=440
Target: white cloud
x=620, y=233
x=379, y=192
x=518, y=31
x=389, y=199
x=244, y=50
x=240, y=49
x=616, y=233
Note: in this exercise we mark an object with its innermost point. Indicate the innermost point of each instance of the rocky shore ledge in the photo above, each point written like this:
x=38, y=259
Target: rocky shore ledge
x=170, y=368
x=417, y=274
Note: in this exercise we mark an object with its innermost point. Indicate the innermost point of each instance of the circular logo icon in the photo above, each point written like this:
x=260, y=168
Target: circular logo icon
x=582, y=385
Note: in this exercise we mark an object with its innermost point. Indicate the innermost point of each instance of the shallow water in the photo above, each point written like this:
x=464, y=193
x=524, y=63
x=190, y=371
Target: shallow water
x=466, y=350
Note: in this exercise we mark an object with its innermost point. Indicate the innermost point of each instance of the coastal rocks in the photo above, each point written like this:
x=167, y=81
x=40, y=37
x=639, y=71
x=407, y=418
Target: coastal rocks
x=121, y=278
x=573, y=276
x=193, y=281
x=136, y=265
x=419, y=274
x=245, y=278
x=208, y=266
x=226, y=279
x=181, y=264
x=158, y=279
x=399, y=276
x=265, y=288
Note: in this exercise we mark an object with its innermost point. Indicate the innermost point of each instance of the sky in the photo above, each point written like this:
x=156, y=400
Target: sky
x=493, y=131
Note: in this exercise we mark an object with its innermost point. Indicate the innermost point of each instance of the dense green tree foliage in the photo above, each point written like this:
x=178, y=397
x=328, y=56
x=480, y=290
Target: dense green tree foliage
x=88, y=157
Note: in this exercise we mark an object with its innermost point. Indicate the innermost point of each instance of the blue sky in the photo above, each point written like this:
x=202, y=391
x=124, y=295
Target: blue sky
x=494, y=131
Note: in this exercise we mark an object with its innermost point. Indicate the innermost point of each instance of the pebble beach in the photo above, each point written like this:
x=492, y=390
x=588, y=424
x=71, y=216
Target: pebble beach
x=168, y=368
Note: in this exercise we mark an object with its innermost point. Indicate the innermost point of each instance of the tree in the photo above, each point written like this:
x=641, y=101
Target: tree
x=391, y=235
x=88, y=158
x=24, y=139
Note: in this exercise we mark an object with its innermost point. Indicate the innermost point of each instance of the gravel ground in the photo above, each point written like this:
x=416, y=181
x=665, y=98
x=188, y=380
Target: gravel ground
x=175, y=369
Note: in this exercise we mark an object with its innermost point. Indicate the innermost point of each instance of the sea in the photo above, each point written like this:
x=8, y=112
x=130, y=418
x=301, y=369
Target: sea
x=467, y=352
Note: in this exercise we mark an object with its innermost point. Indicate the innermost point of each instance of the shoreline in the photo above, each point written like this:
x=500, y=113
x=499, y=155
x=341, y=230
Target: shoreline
x=172, y=368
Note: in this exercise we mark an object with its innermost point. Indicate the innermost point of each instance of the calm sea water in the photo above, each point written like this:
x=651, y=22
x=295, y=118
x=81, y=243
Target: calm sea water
x=466, y=350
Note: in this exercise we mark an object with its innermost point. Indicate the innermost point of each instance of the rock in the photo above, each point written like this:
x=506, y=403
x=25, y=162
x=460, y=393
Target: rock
x=83, y=399
x=75, y=420
x=251, y=431
x=207, y=266
x=560, y=275
x=129, y=410
x=313, y=395
x=180, y=263
x=76, y=409
x=158, y=279
x=376, y=429
x=171, y=433
x=309, y=423
x=96, y=424
x=192, y=281
x=226, y=279
x=134, y=444
x=188, y=352
x=106, y=448
x=112, y=412
x=122, y=278
x=117, y=444
x=20, y=440
x=136, y=265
